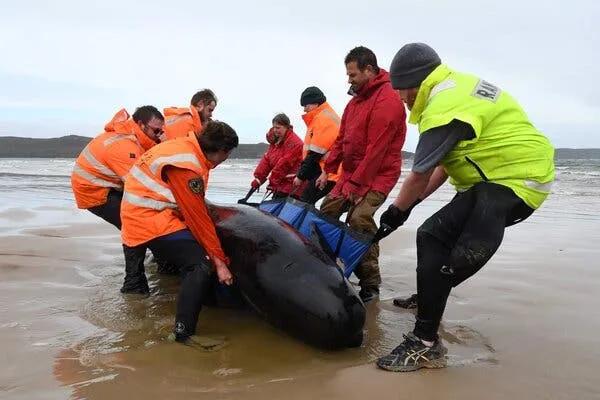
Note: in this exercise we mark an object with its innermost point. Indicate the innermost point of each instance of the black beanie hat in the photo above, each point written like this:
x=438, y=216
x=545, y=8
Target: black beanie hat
x=312, y=95
x=411, y=65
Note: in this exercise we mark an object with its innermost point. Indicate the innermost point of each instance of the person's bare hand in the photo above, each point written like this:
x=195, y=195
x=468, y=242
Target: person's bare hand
x=321, y=180
x=223, y=273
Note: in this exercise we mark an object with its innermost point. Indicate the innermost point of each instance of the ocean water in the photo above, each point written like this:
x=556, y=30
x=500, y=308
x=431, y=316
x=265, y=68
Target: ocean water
x=63, y=320
x=40, y=181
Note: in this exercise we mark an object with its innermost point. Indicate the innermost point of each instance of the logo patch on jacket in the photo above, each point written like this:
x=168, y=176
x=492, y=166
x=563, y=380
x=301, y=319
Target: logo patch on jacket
x=131, y=155
x=196, y=185
x=486, y=91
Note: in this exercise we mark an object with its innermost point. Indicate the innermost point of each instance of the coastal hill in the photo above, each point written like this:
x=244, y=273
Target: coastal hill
x=70, y=147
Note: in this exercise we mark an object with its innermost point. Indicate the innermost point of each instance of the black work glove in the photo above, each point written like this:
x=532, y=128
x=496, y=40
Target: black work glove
x=310, y=169
x=393, y=217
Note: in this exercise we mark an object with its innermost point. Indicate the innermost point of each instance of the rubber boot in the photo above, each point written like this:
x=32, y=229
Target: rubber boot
x=135, y=275
x=195, y=286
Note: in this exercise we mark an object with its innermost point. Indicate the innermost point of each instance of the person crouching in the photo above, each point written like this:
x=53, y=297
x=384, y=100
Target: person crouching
x=164, y=209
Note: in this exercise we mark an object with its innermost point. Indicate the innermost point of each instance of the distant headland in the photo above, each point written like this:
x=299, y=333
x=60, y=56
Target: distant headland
x=70, y=147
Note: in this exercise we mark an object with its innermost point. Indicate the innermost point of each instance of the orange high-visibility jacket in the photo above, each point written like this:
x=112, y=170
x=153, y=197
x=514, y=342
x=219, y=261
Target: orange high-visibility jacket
x=104, y=162
x=179, y=122
x=323, y=126
x=149, y=209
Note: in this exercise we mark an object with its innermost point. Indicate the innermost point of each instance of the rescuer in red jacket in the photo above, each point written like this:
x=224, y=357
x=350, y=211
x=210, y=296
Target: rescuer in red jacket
x=281, y=161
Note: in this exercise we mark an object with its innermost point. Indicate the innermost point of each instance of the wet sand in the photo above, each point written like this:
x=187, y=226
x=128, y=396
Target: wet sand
x=524, y=327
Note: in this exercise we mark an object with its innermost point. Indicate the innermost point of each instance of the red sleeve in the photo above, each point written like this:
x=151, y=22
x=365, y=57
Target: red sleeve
x=263, y=168
x=289, y=163
x=194, y=211
x=384, y=122
x=335, y=154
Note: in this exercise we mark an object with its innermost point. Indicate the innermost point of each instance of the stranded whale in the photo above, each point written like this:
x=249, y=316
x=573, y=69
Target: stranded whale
x=289, y=280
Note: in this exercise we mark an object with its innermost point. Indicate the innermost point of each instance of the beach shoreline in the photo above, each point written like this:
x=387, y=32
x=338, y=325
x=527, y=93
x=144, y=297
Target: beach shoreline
x=524, y=326
x=511, y=323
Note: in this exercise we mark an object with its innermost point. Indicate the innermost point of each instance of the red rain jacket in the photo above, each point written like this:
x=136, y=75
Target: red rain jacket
x=369, y=145
x=282, y=160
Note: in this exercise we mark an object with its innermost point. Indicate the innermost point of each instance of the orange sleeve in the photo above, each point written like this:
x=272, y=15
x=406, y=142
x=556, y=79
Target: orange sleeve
x=188, y=190
x=122, y=156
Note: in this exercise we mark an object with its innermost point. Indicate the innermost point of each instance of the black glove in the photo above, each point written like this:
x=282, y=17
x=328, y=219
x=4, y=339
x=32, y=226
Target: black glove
x=310, y=169
x=393, y=217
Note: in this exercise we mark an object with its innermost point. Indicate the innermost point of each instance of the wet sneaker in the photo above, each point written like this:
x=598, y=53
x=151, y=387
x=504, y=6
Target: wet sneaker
x=412, y=355
x=367, y=294
x=408, y=303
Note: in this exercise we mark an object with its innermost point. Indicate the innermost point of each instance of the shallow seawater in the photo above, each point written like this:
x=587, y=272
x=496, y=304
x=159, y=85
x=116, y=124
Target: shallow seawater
x=529, y=318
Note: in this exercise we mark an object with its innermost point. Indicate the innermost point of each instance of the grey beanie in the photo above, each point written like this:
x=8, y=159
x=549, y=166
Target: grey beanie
x=411, y=65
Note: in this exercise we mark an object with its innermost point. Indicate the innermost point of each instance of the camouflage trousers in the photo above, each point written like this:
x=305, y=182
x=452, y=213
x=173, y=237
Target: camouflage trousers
x=361, y=220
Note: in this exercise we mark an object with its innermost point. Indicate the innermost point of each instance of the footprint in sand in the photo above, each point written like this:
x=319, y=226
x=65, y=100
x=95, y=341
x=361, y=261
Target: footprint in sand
x=466, y=346
x=224, y=372
x=386, y=323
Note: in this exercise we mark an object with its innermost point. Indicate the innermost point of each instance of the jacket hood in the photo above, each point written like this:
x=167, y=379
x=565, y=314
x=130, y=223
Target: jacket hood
x=381, y=78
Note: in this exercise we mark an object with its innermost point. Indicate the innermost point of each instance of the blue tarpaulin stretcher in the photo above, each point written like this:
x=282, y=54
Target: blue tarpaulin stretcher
x=336, y=238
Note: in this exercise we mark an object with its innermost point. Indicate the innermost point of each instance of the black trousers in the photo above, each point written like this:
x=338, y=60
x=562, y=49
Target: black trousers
x=312, y=193
x=135, y=278
x=111, y=210
x=456, y=242
x=182, y=249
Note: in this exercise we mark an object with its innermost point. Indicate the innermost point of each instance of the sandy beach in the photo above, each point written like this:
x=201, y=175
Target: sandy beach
x=524, y=327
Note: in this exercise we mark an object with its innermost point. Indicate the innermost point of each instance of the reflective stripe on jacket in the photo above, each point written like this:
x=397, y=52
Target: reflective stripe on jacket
x=149, y=209
x=507, y=149
x=104, y=162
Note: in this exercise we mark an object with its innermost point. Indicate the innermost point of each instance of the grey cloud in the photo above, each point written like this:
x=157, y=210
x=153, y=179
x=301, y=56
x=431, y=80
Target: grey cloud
x=259, y=55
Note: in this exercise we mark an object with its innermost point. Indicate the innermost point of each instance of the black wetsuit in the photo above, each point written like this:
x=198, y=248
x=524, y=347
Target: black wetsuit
x=459, y=239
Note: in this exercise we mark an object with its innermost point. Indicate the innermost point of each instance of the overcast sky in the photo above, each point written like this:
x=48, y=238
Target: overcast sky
x=67, y=66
